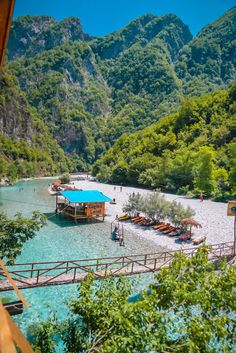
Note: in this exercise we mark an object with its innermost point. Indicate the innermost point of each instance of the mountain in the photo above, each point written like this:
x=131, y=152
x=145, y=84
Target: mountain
x=27, y=148
x=193, y=150
x=89, y=91
x=30, y=35
x=143, y=30
x=74, y=92
x=209, y=60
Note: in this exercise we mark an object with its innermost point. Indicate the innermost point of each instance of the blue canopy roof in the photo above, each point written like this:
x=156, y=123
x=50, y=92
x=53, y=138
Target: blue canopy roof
x=77, y=196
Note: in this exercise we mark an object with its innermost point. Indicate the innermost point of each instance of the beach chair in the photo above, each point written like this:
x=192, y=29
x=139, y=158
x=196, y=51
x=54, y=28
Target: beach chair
x=165, y=227
x=199, y=240
x=158, y=225
x=139, y=221
x=171, y=229
x=135, y=219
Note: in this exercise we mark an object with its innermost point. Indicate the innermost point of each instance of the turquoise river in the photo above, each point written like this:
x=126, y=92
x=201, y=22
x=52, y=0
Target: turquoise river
x=61, y=240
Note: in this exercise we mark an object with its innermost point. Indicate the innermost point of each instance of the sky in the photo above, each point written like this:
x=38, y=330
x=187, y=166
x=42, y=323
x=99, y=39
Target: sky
x=100, y=17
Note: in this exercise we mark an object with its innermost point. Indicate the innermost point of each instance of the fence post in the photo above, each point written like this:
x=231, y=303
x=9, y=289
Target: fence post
x=37, y=281
x=32, y=267
x=155, y=264
x=145, y=259
x=106, y=269
x=74, y=274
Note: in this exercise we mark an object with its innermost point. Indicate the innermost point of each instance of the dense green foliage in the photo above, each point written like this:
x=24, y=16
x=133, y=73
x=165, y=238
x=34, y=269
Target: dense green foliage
x=65, y=178
x=157, y=208
x=15, y=232
x=91, y=90
x=27, y=148
x=193, y=149
x=209, y=59
x=189, y=309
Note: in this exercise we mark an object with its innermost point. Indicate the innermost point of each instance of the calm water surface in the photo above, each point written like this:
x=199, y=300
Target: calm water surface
x=61, y=239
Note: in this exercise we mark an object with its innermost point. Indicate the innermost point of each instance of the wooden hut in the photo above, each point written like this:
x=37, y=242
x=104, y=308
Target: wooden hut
x=82, y=204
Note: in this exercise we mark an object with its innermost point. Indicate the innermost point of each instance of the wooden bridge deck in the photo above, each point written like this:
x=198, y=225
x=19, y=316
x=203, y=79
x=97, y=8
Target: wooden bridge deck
x=32, y=275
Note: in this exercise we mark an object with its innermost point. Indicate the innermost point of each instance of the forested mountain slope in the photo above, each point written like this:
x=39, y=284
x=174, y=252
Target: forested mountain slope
x=89, y=91
x=153, y=62
x=193, y=149
x=66, y=86
x=27, y=148
x=209, y=60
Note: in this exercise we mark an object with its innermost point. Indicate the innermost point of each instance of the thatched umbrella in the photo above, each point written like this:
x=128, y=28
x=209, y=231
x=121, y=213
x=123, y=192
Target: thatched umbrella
x=191, y=222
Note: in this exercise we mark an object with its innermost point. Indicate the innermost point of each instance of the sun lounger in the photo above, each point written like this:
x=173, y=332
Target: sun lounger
x=164, y=227
x=198, y=240
x=171, y=229
x=135, y=219
x=140, y=220
x=158, y=225
x=161, y=225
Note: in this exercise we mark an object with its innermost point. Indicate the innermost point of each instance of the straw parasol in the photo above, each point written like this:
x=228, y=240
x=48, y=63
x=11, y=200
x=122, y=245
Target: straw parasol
x=57, y=182
x=191, y=222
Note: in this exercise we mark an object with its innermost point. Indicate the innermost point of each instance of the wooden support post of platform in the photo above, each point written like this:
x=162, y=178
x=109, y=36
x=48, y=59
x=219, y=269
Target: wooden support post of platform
x=14, y=308
x=56, y=203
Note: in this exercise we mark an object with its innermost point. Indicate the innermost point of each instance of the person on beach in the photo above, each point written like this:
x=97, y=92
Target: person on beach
x=114, y=187
x=201, y=197
x=121, y=189
x=121, y=240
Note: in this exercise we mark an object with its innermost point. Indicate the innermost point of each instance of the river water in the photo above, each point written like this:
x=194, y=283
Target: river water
x=61, y=239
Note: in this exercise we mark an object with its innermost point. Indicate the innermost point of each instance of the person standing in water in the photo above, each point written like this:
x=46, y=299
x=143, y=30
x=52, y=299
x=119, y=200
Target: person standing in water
x=201, y=197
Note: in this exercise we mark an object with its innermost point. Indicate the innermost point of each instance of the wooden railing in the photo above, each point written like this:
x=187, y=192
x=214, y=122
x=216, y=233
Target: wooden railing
x=37, y=274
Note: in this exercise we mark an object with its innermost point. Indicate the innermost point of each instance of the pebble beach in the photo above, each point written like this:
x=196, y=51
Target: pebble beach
x=217, y=227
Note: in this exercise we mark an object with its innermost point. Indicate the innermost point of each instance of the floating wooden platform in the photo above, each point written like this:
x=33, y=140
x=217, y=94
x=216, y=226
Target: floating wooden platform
x=33, y=275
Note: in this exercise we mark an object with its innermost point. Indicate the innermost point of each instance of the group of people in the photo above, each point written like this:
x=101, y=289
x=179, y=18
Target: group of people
x=120, y=188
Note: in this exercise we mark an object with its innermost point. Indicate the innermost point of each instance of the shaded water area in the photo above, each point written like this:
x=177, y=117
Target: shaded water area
x=62, y=239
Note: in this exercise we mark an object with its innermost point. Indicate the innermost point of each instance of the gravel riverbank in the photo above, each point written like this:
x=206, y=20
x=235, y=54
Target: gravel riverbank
x=216, y=226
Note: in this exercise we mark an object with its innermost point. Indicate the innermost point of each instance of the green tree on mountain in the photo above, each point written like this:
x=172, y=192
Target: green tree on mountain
x=204, y=173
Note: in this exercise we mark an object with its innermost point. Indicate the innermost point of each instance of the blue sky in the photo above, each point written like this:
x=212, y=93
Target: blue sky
x=100, y=17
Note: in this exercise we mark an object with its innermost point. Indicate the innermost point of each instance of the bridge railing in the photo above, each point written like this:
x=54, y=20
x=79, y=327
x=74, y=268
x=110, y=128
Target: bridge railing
x=44, y=273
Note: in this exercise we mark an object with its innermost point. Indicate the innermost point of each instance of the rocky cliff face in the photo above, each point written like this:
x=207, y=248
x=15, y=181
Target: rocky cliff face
x=30, y=35
x=15, y=119
x=27, y=148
